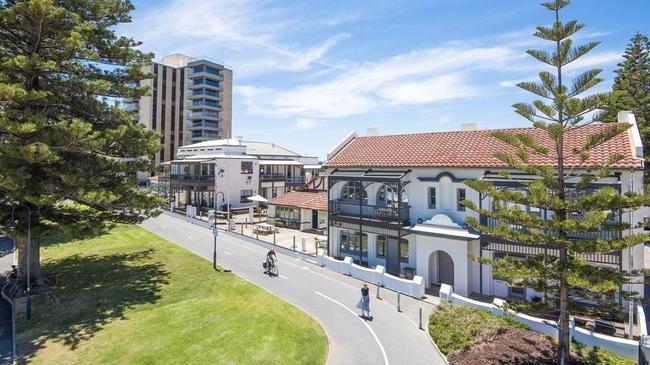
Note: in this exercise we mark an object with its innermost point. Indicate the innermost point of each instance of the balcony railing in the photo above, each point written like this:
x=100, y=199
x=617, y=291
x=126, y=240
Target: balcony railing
x=604, y=235
x=206, y=82
x=295, y=180
x=273, y=177
x=212, y=104
x=205, y=92
x=191, y=178
x=353, y=208
x=205, y=114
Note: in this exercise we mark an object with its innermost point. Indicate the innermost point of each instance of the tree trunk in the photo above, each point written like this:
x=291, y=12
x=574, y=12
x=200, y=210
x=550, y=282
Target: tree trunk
x=36, y=277
x=564, y=338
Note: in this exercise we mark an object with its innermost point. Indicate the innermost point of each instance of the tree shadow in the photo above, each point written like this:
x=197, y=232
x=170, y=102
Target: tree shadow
x=91, y=292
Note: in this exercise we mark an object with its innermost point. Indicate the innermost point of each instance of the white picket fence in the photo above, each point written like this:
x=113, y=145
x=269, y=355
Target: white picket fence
x=378, y=275
x=624, y=347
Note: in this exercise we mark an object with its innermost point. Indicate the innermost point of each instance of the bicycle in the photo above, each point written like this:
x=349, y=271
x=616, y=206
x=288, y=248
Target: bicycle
x=271, y=268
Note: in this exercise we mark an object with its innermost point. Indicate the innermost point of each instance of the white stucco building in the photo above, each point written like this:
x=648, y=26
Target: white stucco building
x=394, y=201
x=218, y=173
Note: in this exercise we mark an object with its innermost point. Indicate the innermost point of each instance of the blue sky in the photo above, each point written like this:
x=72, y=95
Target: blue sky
x=306, y=73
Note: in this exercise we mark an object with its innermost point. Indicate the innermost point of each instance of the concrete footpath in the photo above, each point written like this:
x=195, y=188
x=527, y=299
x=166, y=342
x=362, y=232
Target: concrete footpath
x=391, y=338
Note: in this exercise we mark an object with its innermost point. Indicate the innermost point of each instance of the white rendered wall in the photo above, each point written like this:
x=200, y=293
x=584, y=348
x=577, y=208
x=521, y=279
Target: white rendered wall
x=233, y=181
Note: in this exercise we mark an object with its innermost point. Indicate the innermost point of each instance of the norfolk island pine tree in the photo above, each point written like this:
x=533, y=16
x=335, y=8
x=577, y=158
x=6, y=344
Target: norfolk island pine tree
x=67, y=149
x=564, y=187
x=631, y=89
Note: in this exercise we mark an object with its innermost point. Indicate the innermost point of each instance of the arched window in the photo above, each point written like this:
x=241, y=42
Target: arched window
x=354, y=191
x=387, y=196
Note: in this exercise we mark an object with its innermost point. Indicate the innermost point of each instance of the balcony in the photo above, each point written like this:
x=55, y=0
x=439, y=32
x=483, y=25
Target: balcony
x=205, y=93
x=375, y=212
x=295, y=180
x=204, y=125
x=273, y=177
x=206, y=74
x=603, y=235
x=205, y=179
x=131, y=107
x=201, y=83
x=204, y=71
x=205, y=115
x=206, y=104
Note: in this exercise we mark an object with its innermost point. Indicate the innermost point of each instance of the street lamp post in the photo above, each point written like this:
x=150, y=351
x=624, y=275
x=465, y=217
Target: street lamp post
x=215, y=231
x=29, y=256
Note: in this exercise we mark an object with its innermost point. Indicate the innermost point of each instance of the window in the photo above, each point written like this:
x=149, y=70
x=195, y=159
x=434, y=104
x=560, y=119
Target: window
x=535, y=211
x=461, y=195
x=404, y=250
x=287, y=213
x=381, y=247
x=432, y=198
x=387, y=196
x=354, y=191
x=351, y=242
x=244, y=196
x=247, y=167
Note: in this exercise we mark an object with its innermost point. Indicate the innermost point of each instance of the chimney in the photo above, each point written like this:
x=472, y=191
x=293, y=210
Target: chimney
x=468, y=126
x=628, y=117
x=372, y=132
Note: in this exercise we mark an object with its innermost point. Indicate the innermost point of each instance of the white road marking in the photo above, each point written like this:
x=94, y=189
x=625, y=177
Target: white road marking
x=227, y=252
x=283, y=277
x=305, y=267
x=383, y=351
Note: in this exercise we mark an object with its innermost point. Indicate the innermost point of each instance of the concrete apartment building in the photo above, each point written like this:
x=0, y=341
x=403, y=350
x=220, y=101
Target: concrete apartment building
x=190, y=101
x=394, y=201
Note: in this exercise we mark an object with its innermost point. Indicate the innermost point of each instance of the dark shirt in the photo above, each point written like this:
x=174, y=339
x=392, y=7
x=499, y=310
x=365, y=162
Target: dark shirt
x=364, y=291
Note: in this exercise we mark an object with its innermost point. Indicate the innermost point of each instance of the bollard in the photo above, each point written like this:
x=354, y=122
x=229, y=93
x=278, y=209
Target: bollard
x=421, y=319
x=242, y=230
x=294, y=243
x=378, y=291
x=257, y=235
x=398, y=297
x=316, y=247
x=274, y=238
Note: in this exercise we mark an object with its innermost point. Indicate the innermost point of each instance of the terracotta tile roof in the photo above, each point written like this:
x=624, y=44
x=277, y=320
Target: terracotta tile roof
x=302, y=199
x=471, y=149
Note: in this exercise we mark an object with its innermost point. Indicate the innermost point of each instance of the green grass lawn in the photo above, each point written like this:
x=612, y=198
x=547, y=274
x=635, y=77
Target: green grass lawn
x=131, y=297
x=455, y=328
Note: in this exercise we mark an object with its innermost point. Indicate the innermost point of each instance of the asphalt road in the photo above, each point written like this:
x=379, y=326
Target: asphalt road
x=391, y=338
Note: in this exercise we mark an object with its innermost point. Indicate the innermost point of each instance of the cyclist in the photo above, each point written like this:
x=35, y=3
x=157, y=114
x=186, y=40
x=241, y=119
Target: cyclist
x=270, y=259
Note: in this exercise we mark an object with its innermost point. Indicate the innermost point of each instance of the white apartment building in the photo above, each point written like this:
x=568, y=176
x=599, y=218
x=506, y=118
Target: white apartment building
x=394, y=201
x=190, y=101
x=226, y=172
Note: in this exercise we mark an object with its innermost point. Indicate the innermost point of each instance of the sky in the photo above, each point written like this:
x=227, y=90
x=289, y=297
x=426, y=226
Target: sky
x=307, y=73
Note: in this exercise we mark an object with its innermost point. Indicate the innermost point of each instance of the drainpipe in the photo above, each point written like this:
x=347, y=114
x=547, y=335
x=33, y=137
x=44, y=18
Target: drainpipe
x=630, y=303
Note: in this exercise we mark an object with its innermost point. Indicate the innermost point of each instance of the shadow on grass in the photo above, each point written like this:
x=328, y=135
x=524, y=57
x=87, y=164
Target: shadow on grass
x=92, y=291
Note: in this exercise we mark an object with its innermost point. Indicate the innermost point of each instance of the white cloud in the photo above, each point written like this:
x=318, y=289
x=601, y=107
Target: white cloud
x=305, y=124
x=248, y=32
x=419, y=77
x=427, y=91
x=594, y=60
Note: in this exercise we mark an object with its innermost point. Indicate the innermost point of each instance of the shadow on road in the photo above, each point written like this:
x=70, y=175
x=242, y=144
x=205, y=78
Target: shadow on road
x=91, y=292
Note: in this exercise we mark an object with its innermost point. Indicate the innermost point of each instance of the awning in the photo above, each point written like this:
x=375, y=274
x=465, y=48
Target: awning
x=443, y=231
x=257, y=198
x=280, y=162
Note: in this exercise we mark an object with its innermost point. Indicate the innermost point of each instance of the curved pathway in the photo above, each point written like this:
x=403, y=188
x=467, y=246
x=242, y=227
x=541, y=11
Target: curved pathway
x=390, y=339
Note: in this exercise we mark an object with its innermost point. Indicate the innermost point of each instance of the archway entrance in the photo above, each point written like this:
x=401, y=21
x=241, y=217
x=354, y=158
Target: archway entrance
x=441, y=268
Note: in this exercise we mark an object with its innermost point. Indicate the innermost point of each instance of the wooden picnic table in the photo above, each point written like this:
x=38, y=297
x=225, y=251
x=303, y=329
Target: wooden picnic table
x=264, y=228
